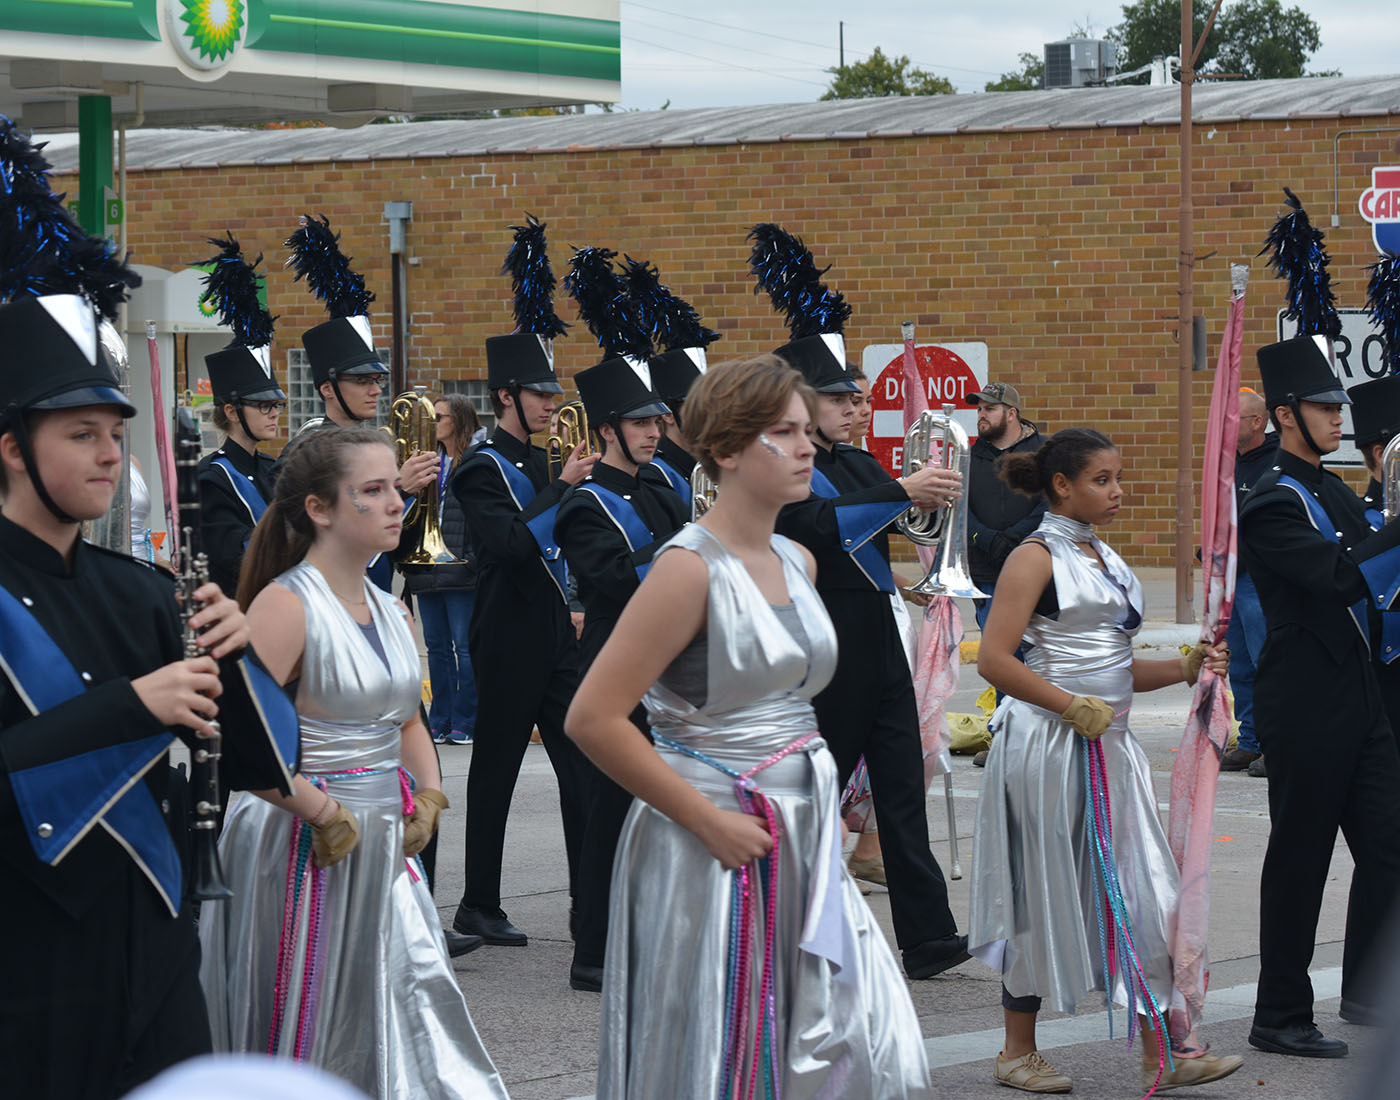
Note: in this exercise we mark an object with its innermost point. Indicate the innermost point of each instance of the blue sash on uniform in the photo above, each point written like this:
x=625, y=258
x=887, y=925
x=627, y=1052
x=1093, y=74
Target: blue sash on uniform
x=243, y=486
x=857, y=525
x=1390, y=620
x=624, y=514
x=673, y=476
x=61, y=801
x=1319, y=518
x=523, y=491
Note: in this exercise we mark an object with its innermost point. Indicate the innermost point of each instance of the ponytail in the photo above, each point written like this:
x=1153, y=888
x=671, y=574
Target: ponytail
x=311, y=465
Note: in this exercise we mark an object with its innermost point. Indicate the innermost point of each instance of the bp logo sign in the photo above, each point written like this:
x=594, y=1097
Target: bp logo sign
x=1380, y=205
x=206, y=33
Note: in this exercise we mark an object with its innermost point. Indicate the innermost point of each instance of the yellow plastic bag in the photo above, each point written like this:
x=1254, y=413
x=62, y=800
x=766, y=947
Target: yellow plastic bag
x=970, y=732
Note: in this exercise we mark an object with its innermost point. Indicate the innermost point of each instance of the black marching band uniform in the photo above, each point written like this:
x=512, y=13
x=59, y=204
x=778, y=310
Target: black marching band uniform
x=101, y=986
x=870, y=708
x=523, y=648
x=235, y=486
x=609, y=527
x=672, y=374
x=1321, y=717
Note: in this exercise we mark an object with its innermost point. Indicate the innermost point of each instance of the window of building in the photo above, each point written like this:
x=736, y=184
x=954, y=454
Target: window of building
x=303, y=400
x=477, y=392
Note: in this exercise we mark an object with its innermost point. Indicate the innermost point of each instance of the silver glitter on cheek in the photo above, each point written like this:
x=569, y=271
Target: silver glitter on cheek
x=363, y=509
x=771, y=447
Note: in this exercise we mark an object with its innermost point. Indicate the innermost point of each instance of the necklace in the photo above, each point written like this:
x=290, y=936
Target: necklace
x=348, y=603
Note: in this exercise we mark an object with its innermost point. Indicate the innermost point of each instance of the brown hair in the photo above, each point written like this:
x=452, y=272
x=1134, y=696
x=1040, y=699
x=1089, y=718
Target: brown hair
x=463, y=414
x=1066, y=452
x=312, y=465
x=221, y=421
x=731, y=403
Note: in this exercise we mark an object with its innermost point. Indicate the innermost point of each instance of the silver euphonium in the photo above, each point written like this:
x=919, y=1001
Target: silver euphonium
x=945, y=527
x=703, y=490
x=1390, y=478
x=113, y=531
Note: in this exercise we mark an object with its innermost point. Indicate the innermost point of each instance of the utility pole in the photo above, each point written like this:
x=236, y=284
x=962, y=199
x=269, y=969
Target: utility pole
x=1185, y=340
x=841, y=45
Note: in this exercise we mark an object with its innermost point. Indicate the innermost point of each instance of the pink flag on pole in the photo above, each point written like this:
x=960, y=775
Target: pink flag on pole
x=1197, y=768
x=165, y=451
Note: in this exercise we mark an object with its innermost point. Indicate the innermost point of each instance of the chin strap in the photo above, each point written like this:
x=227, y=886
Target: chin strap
x=1296, y=405
x=335, y=389
x=616, y=422
x=15, y=417
x=238, y=408
x=823, y=437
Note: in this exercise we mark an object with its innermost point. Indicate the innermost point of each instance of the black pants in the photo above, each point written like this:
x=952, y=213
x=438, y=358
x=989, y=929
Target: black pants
x=869, y=709
x=607, y=811
x=1332, y=764
x=519, y=687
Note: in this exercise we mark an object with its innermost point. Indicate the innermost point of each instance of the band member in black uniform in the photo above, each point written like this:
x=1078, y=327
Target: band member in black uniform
x=101, y=960
x=1332, y=758
x=235, y=482
x=345, y=367
x=523, y=647
x=609, y=527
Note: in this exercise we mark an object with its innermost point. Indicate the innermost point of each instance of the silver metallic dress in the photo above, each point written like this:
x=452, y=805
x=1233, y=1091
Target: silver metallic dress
x=1035, y=915
x=345, y=968
x=842, y=1022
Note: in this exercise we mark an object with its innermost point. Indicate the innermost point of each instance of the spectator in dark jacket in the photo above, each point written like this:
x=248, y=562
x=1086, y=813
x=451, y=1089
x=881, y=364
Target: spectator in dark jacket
x=998, y=517
x=446, y=593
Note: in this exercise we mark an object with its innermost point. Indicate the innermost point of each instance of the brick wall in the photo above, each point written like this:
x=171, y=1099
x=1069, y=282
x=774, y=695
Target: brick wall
x=1056, y=248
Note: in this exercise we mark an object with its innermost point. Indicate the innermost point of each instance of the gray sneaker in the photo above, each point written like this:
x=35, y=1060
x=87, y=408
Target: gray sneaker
x=1256, y=768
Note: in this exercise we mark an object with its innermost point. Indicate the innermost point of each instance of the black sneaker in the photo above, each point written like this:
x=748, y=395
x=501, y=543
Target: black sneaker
x=1256, y=768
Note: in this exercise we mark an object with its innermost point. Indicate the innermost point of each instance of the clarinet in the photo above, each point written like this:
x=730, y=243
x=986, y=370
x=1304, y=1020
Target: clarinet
x=208, y=876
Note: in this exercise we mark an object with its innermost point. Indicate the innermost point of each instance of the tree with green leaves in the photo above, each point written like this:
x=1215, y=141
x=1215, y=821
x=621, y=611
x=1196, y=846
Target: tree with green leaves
x=1259, y=39
x=879, y=75
x=1030, y=76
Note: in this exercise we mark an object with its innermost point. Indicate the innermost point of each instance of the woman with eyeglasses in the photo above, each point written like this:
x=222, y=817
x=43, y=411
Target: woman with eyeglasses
x=235, y=482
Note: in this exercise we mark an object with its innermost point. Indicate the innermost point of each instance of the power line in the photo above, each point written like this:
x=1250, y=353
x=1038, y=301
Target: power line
x=727, y=64
x=764, y=52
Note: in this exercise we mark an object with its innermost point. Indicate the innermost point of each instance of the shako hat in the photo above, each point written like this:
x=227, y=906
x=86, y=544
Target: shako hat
x=621, y=385
x=60, y=287
x=1298, y=370
x=524, y=359
x=242, y=371
x=618, y=388
x=816, y=315
x=1375, y=410
x=344, y=345
x=674, y=326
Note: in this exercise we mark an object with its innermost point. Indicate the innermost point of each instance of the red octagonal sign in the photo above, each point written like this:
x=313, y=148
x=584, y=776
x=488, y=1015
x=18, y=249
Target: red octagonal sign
x=949, y=373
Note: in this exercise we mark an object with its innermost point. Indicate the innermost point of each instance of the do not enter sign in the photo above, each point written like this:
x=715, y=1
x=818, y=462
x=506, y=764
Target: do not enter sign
x=949, y=371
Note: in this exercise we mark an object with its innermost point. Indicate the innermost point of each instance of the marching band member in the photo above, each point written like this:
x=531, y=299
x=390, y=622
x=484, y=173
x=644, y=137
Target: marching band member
x=523, y=647
x=609, y=527
x=1039, y=907
x=101, y=989
x=235, y=482
x=330, y=950
x=1304, y=538
x=869, y=708
x=718, y=985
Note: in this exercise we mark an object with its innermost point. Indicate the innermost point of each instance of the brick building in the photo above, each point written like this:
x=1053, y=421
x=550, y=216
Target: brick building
x=1041, y=223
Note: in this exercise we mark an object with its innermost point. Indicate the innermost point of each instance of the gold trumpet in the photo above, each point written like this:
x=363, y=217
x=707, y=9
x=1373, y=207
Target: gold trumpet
x=573, y=430
x=412, y=426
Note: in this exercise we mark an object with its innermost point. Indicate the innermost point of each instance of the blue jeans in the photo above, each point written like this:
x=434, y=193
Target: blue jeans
x=445, y=617
x=1245, y=639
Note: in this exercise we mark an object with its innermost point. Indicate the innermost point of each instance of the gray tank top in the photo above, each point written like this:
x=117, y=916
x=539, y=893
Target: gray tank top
x=688, y=674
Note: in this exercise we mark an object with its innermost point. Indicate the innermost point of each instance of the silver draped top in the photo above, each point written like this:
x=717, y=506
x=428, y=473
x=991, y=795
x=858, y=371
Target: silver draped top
x=760, y=679
x=351, y=707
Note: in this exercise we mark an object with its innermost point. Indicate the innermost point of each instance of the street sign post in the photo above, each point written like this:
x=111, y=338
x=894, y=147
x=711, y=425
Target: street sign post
x=949, y=371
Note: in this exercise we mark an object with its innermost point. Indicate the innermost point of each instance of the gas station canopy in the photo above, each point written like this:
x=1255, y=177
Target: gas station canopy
x=191, y=62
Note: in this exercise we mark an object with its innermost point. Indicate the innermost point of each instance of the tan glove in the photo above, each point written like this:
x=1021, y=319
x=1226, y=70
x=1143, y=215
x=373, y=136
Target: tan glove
x=335, y=838
x=428, y=805
x=1191, y=662
x=1090, y=717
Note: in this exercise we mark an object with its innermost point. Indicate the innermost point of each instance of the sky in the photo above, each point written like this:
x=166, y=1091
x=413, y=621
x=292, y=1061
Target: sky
x=737, y=52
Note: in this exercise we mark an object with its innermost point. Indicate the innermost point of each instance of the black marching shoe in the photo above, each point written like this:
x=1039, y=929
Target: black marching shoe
x=459, y=945
x=492, y=925
x=935, y=956
x=1354, y=1012
x=1299, y=1040
x=588, y=979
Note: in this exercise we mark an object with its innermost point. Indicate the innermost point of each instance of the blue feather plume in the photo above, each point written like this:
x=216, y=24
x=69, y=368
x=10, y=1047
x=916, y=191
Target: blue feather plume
x=783, y=266
x=1383, y=305
x=233, y=287
x=43, y=250
x=1299, y=256
x=604, y=305
x=316, y=256
x=670, y=321
x=532, y=281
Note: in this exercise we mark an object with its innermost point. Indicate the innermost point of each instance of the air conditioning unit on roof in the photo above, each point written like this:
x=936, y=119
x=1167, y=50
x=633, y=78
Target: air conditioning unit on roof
x=1076, y=62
